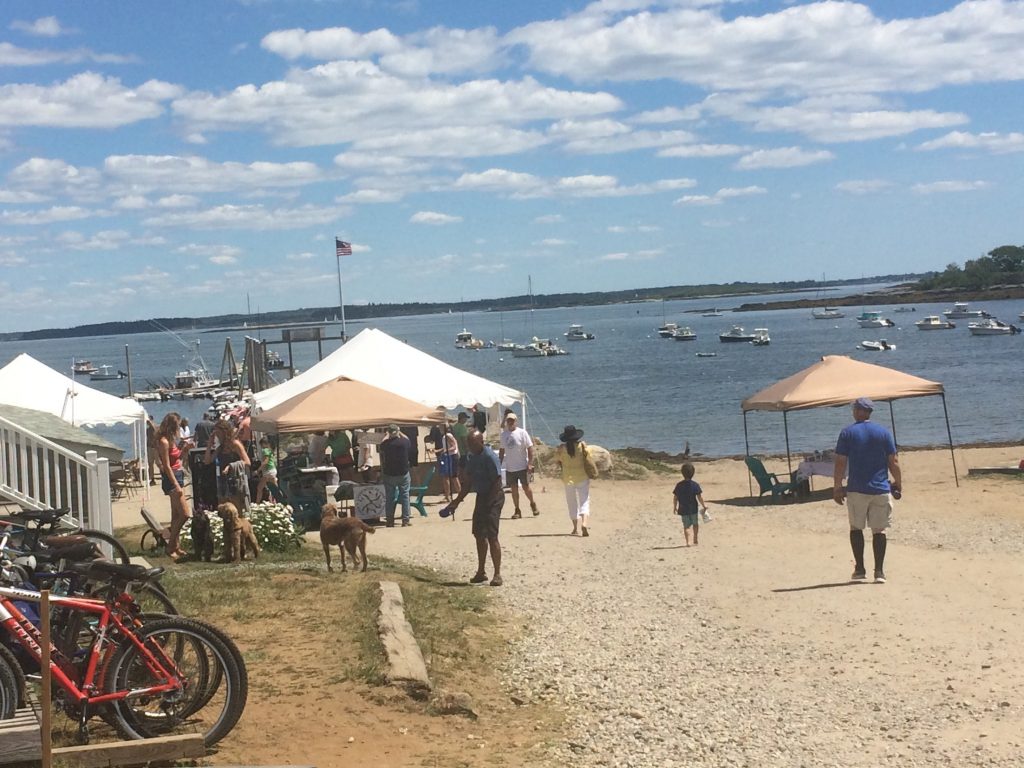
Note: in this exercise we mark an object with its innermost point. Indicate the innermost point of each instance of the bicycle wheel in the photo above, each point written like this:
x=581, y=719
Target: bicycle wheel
x=150, y=598
x=8, y=690
x=151, y=543
x=111, y=548
x=19, y=674
x=196, y=655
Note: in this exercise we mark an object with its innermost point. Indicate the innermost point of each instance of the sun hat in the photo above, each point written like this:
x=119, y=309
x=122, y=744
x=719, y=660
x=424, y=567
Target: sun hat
x=864, y=403
x=393, y=429
x=510, y=416
x=570, y=434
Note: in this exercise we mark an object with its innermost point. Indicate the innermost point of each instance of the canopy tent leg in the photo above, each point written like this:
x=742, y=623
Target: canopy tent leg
x=892, y=420
x=746, y=443
x=785, y=426
x=949, y=434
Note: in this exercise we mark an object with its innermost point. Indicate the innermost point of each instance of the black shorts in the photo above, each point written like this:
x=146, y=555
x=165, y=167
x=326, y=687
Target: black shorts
x=521, y=476
x=487, y=516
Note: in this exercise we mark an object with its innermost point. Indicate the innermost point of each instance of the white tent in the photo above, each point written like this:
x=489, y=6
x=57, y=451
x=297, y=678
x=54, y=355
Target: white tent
x=373, y=357
x=27, y=383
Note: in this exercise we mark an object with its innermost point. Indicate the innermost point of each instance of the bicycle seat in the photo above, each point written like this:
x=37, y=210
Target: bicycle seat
x=44, y=516
x=63, y=542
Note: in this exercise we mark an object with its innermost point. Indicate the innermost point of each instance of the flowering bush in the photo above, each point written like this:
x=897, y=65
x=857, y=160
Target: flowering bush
x=271, y=522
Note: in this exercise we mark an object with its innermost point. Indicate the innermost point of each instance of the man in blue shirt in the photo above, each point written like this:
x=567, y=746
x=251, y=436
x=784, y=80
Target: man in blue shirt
x=394, y=473
x=483, y=475
x=868, y=451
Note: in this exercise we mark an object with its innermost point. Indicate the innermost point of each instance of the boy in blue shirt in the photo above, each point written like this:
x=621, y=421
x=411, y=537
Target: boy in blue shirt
x=685, y=497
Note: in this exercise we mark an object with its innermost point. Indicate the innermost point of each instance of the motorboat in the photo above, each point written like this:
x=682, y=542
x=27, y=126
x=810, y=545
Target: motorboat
x=83, y=367
x=761, y=338
x=538, y=348
x=465, y=340
x=576, y=333
x=106, y=373
x=716, y=312
x=684, y=334
x=827, y=313
x=506, y=345
x=874, y=320
x=905, y=308
x=877, y=346
x=990, y=326
x=934, y=323
x=736, y=334
x=274, y=361
x=707, y=354
x=961, y=312
x=667, y=330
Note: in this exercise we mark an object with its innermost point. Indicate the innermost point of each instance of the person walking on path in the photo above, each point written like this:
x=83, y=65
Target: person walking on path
x=483, y=476
x=571, y=457
x=172, y=480
x=516, y=453
x=868, y=451
x=685, y=497
x=394, y=473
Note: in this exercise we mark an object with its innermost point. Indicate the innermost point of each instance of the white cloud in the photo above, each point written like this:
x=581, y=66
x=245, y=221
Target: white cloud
x=19, y=196
x=783, y=157
x=255, y=217
x=192, y=173
x=550, y=218
x=87, y=100
x=45, y=26
x=48, y=216
x=864, y=186
x=703, y=150
x=304, y=256
x=948, y=186
x=553, y=242
x=698, y=200
x=499, y=180
x=725, y=193
x=370, y=196
x=215, y=254
x=996, y=143
x=433, y=217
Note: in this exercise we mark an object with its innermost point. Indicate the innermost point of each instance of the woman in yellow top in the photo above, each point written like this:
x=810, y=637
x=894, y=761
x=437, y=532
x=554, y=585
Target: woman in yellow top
x=570, y=457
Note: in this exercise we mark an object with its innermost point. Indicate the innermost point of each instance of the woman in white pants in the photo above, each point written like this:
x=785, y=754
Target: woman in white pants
x=570, y=457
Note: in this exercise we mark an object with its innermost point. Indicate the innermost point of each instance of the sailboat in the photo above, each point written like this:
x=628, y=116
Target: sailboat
x=536, y=347
x=826, y=312
x=505, y=345
x=666, y=330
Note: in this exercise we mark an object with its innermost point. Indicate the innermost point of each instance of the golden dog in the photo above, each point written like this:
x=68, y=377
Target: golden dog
x=238, y=534
x=347, y=532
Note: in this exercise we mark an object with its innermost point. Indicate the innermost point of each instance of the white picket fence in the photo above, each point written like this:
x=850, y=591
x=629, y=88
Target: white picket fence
x=39, y=474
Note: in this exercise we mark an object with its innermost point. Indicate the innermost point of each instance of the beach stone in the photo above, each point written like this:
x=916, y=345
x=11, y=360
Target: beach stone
x=454, y=703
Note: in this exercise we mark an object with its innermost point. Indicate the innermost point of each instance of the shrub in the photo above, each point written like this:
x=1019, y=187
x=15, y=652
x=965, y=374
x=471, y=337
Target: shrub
x=271, y=522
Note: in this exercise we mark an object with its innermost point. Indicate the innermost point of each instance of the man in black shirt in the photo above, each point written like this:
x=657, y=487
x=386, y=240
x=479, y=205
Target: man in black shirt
x=394, y=472
x=203, y=431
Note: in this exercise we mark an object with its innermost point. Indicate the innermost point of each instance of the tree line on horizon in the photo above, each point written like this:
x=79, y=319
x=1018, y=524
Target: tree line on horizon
x=355, y=312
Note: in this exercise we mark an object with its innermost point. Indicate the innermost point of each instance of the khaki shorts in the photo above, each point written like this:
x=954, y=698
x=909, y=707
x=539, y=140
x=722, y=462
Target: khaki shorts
x=869, y=510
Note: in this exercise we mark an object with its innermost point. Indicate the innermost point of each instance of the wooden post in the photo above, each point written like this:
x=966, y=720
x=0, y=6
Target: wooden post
x=46, y=705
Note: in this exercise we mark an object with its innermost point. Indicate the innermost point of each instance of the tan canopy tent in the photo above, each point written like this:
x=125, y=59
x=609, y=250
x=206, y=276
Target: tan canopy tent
x=344, y=404
x=837, y=380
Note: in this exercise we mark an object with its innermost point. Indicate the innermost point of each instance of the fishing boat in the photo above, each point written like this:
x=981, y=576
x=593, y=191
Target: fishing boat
x=465, y=340
x=827, y=313
x=990, y=326
x=874, y=320
x=106, y=373
x=761, y=338
x=667, y=330
x=83, y=367
x=684, y=334
x=576, y=333
x=934, y=323
x=735, y=334
x=877, y=346
x=960, y=311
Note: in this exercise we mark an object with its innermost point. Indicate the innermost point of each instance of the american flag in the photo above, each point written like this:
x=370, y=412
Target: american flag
x=342, y=248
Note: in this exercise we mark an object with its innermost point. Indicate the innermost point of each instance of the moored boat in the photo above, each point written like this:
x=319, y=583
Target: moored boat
x=960, y=311
x=990, y=326
x=735, y=334
x=827, y=313
x=576, y=333
x=667, y=330
x=716, y=312
x=761, y=338
x=707, y=354
x=934, y=323
x=106, y=373
x=874, y=320
x=83, y=367
x=684, y=334
x=465, y=340
x=877, y=346
x=274, y=361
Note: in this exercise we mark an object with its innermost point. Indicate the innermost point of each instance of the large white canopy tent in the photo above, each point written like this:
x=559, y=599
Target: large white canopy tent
x=373, y=357
x=836, y=380
x=27, y=383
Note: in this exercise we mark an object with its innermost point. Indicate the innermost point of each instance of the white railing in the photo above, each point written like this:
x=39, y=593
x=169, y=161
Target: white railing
x=39, y=474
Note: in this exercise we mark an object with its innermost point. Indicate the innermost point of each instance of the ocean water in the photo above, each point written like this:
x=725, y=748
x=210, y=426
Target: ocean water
x=629, y=387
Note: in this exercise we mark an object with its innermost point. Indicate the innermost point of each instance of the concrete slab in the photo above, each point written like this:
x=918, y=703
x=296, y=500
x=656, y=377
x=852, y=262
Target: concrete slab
x=406, y=666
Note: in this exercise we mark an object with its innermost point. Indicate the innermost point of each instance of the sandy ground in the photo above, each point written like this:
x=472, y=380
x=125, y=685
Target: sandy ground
x=927, y=669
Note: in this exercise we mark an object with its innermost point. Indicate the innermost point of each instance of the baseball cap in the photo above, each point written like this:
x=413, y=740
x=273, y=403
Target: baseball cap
x=393, y=429
x=864, y=403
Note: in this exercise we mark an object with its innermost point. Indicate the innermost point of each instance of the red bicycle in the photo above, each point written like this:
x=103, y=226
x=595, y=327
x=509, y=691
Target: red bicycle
x=145, y=676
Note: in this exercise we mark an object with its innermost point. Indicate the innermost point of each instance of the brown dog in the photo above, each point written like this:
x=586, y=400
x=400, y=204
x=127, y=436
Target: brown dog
x=347, y=532
x=238, y=534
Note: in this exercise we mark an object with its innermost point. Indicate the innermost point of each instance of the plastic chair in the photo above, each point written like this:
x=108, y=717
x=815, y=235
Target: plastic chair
x=768, y=481
x=420, y=491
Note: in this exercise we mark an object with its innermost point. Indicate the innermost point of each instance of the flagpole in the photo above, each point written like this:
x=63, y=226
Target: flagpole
x=341, y=297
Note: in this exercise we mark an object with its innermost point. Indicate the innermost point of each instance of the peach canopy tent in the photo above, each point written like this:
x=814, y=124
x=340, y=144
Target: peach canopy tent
x=836, y=380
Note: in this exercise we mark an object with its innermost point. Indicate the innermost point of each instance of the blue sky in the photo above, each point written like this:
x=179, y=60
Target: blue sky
x=176, y=158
